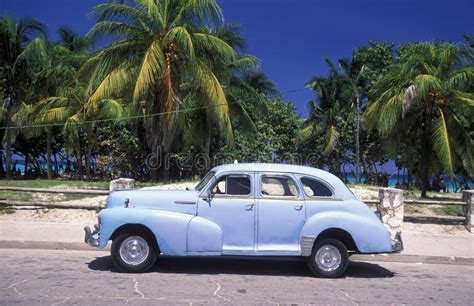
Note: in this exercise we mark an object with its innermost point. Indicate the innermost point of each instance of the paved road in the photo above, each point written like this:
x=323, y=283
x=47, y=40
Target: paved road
x=31, y=277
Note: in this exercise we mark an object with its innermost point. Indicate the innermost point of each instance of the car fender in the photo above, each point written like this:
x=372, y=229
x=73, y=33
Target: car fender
x=204, y=236
x=369, y=234
x=169, y=228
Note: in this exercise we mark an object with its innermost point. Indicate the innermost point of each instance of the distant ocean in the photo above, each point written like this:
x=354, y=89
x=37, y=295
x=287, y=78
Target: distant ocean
x=451, y=185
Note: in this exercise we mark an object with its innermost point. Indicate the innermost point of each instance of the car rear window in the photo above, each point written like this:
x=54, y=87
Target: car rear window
x=315, y=188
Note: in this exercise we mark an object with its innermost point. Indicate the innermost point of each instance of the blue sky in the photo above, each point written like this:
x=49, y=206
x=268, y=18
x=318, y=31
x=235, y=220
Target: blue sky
x=292, y=37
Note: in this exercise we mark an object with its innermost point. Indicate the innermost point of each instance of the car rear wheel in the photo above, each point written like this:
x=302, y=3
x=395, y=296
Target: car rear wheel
x=329, y=258
x=133, y=252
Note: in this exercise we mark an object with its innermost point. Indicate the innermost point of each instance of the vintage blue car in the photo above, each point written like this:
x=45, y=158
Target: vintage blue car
x=244, y=210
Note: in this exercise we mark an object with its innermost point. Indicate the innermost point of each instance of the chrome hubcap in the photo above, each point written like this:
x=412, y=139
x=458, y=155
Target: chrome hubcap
x=328, y=258
x=134, y=250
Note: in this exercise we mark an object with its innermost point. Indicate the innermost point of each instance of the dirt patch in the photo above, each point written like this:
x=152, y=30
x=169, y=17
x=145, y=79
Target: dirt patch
x=435, y=229
x=73, y=216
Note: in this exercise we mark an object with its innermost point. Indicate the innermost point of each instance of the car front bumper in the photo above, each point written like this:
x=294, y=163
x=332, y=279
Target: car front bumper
x=397, y=243
x=92, y=237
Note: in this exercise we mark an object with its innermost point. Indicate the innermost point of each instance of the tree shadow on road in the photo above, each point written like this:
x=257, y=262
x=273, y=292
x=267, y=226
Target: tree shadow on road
x=253, y=266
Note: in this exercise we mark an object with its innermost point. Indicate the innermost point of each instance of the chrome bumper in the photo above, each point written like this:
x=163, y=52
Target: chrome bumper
x=397, y=243
x=92, y=237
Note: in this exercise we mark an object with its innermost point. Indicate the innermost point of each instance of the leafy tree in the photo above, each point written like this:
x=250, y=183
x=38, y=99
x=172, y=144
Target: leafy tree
x=120, y=152
x=273, y=141
x=420, y=101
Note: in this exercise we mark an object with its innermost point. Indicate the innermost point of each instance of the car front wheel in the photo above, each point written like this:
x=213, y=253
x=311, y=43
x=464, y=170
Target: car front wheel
x=133, y=252
x=329, y=258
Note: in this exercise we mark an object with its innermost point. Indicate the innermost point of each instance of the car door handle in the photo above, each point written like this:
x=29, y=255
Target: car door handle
x=299, y=207
x=249, y=207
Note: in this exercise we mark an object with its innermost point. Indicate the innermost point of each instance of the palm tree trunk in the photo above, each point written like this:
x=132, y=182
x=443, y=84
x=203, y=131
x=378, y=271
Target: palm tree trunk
x=425, y=153
x=79, y=163
x=88, y=163
x=8, y=159
x=48, y=154
x=168, y=128
x=357, y=170
x=56, y=166
x=364, y=167
x=26, y=164
x=1, y=163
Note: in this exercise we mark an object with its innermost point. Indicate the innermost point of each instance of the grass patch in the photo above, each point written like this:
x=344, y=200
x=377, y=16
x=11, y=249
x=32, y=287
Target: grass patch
x=6, y=210
x=449, y=211
x=68, y=184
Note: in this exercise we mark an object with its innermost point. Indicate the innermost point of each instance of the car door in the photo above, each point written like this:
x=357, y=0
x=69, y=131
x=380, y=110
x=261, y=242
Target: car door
x=230, y=204
x=280, y=213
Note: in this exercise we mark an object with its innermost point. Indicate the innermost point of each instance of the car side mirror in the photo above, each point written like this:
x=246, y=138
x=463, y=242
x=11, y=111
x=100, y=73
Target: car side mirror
x=208, y=197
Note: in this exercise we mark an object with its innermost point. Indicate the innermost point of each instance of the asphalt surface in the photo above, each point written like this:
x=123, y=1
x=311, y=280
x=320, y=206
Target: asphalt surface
x=47, y=277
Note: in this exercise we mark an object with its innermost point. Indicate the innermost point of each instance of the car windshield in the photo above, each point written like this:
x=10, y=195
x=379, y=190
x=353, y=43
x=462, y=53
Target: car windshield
x=204, y=181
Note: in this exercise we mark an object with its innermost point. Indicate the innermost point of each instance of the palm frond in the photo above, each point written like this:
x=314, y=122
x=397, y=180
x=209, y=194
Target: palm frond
x=304, y=134
x=215, y=44
x=116, y=83
x=426, y=84
x=442, y=144
x=390, y=112
x=462, y=78
x=115, y=29
x=52, y=115
x=151, y=70
x=332, y=139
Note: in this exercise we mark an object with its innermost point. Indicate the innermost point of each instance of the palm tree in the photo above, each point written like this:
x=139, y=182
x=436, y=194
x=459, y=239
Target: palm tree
x=323, y=121
x=63, y=100
x=15, y=36
x=422, y=100
x=157, y=50
x=72, y=41
x=56, y=65
x=242, y=98
x=260, y=82
x=79, y=118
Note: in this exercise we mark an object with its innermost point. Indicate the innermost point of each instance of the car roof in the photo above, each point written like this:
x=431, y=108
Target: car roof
x=340, y=188
x=269, y=167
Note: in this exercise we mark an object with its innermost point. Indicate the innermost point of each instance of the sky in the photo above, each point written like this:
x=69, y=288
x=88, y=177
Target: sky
x=292, y=37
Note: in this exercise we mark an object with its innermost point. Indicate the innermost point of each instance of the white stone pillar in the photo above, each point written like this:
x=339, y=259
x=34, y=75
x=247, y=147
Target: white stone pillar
x=467, y=196
x=390, y=207
x=122, y=183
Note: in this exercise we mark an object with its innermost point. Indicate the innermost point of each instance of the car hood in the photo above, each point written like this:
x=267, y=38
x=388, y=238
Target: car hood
x=183, y=201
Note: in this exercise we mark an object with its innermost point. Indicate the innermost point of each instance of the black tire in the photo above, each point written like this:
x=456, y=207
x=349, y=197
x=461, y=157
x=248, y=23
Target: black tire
x=333, y=269
x=146, y=261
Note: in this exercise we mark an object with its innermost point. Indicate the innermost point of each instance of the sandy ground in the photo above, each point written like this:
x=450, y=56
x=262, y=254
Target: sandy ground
x=78, y=216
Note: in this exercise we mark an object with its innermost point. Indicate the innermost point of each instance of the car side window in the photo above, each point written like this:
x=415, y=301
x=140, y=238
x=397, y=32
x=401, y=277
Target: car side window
x=232, y=185
x=281, y=186
x=315, y=188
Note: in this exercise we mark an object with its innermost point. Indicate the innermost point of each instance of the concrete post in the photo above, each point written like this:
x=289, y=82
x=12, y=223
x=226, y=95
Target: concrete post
x=122, y=183
x=467, y=196
x=390, y=207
